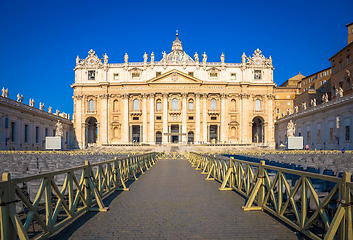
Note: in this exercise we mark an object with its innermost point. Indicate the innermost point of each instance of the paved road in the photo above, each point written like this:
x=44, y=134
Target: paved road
x=173, y=201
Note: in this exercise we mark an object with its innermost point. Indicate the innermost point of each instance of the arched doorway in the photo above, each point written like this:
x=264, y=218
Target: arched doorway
x=213, y=133
x=92, y=131
x=135, y=133
x=158, y=137
x=258, y=130
x=191, y=136
x=174, y=133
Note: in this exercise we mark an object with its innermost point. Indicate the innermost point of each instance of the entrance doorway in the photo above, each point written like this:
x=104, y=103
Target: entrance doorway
x=91, y=130
x=191, y=136
x=258, y=130
x=174, y=129
x=158, y=137
x=135, y=133
x=213, y=133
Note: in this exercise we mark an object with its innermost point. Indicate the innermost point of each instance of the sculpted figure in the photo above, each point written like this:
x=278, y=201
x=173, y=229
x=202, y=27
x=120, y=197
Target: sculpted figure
x=196, y=56
x=57, y=112
x=185, y=57
x=105, y=56
x=296, y=108
x=304, y=106
x=222, y=58
x=164, y=56
x=313, y=102
x=59, y=129
x=340, y=92
x=126, y=58
x=325, y=97
x=31, y=102
x=3, y=92
x=41, y=106
x=19, y=98
x=152, y=57
x=291, y=129
x=145, y=57
x=175, y=56
x=243, y=58
x=204, y=59
x=50, y=109
x=77, y=60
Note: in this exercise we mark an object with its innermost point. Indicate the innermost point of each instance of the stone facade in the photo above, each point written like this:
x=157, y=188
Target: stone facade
x=177, y=99
x=24, y=127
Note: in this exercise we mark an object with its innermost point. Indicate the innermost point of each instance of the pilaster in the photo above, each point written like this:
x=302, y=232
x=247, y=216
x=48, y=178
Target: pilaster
x=152, y=117
x=184, y=125
x=165, y=117
x=197, y=118
x=125, y=135
x=144, y=117
x=204, y=120
x=223, y=117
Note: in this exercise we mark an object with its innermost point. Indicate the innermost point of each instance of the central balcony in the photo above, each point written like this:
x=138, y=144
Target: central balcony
x=135, y=112
x=214, y=112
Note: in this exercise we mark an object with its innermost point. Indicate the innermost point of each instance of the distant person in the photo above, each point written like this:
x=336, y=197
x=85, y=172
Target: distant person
x=306, y=147
x=343, y=149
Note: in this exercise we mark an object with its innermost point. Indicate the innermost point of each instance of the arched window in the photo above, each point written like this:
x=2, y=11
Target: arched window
x=174, y=104
x=116, y=106
x=91, y=105
x=158, y=105
x=213, y=104
x=233, y=104
x=136, y=105
x=257, y=105
x=191, y=104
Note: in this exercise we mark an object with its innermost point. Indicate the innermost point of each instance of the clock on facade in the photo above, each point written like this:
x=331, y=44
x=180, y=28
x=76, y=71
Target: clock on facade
x=257, y=60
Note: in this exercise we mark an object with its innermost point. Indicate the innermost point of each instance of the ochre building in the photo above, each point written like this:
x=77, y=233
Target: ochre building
x=176, y=99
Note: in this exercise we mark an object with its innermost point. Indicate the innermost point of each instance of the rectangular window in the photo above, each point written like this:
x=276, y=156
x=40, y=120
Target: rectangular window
x=319, y=135
x=135, y=75
x=116, y=76
x=308, y=136
x=54, y=133
x=67, y=137
x=348, y=137
x=37, y=134
x=213, y=75
x=213, y=118
x=233, y=76
x=348, y=59
x=191, y=118
x=289, y=103
x=13, y=132
x=159, y=106
x=341, y=65
x=91, y=75
x=46, y=132
x=158, y=74
x=191, y=105
x=158, y=117
x=135, y=118
x=257, y=75
x=333, y=69
x=277, y=110
x=331, y=134
x=26, y=133
x=191, y=74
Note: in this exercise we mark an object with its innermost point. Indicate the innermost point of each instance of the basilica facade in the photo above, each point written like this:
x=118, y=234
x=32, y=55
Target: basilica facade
x=176, y=99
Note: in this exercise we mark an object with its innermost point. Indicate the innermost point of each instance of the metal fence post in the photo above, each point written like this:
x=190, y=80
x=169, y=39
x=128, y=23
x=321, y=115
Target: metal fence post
x=7, y=197
x=88, y=190
x=261, y=193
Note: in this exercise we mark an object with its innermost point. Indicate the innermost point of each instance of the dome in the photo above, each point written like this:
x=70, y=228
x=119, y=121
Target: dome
x=177, y=54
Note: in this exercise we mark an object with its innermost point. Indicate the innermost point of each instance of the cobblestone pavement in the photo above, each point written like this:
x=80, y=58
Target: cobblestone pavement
x=173, y=201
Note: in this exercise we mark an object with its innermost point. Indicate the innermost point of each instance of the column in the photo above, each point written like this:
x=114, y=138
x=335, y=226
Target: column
x=125, y=130
x=270, y=131
x=152, y=134
x=223, y=118
x=197, y=118
x=165, y=117
x=144, y=117
x=78, y=121
x=183, y=115
x=204, y=120
x=245, y=138
x=103, y=133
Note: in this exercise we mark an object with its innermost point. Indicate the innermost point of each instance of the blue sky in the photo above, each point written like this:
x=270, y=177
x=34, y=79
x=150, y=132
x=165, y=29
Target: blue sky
x=41, y=39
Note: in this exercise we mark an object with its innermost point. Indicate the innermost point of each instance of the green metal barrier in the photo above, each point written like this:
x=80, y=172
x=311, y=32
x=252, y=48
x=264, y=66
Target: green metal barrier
x=268, y=188
x=83, y=187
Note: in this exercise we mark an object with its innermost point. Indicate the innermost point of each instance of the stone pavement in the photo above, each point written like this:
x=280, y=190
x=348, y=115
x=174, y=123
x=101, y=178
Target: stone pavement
x=173, y=201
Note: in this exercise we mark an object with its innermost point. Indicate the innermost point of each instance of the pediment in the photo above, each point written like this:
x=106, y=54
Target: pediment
x=174, y=77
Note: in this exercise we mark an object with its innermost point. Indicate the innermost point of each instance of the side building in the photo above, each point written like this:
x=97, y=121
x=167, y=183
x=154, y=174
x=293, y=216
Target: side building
x=24, y=127
x=323, y=111
x=177, y=99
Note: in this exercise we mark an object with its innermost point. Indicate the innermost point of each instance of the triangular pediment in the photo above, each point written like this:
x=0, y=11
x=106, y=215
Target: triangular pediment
x=174, y=77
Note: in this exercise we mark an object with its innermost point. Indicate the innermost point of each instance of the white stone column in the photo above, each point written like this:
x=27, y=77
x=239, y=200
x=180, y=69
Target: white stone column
x=223, y=118
x=103, y=133
x=125, y=135
x=197, y=118
x=144, y=118
x=244, y=118
x=77, y=121
x=165, y=117
x=183, y=115
x=204, y=120
x=152, y=117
